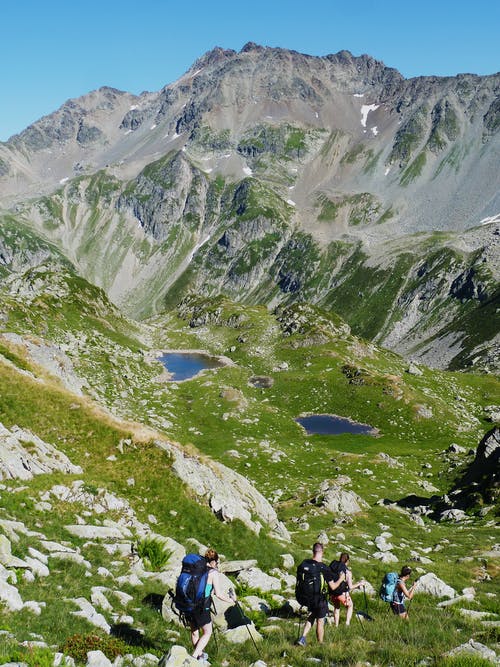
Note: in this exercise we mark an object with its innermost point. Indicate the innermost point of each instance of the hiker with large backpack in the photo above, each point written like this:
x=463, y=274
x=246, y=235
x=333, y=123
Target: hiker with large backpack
x=341, y=595
x=401, y=592
x=199, y=578
x=313, y=580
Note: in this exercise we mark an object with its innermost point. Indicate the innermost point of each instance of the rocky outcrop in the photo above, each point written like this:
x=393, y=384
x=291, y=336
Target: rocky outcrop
x=23, y=455
x=334, y=498
x=229, y=495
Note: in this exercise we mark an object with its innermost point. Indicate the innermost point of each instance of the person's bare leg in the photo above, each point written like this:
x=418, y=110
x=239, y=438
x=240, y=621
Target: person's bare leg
x=203, y=640
x=336, y=615
x=195, y=635
x=349, y=610
x=320, y=629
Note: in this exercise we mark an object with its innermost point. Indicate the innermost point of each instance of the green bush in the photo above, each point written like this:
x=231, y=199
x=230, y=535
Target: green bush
x=77, y=647
x=153, y=551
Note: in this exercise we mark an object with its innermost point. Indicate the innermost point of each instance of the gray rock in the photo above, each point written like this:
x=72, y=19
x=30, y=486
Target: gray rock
x=255, y=578
x=242, y=634
x=341, y=502
x=229, y=494
x=23, y=455
x=431, y=584
x=178, y=657
x=454, y=515
x=98, y=659
x=476, y=649
x=236, y=566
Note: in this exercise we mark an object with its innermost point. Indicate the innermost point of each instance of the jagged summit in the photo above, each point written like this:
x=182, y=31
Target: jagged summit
x=269, y=175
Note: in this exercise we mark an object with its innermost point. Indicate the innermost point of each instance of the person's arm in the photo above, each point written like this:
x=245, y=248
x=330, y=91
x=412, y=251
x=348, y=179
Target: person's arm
x=214, y=576
x=335, y=584
x=352, y=585
x=408, y=592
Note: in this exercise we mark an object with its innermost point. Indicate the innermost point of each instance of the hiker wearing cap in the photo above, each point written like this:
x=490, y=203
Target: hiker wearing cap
x=312, y=577
x=401, y=592
x=341, y=596
x=200, y=619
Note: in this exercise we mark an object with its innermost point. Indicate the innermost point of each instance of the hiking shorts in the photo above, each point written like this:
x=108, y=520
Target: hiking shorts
x=198, y=618
x=318, y=611
x=342, y=599
x=398, y=608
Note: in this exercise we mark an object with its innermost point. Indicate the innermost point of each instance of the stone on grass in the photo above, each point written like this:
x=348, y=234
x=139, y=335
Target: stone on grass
x=9, y=594
x=385, y=557
x=454, y=515
x=254, y=603
x=476, y=649
x=431, y=584
x=6, y=557
x=341, y=502
x=287, y=561
x=242, y=633
x=236, y=566
x=88, y=612
x=255, y=578
x=178, y=657
x=146, y=660
x=98, y=659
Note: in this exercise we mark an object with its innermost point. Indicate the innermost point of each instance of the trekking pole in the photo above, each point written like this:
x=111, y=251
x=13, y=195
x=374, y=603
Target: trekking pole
x=215, y=628
x=243, y=618
x=300, y=622
x=366, y=600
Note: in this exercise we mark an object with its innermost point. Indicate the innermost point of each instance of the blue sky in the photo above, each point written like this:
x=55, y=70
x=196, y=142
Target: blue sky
x=52, y=50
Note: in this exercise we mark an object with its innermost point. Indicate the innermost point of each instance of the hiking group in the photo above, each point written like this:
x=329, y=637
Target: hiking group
x=317, y=584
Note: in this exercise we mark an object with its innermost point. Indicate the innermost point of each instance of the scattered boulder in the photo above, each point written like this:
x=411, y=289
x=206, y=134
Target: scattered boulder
x=178, y=657
x=255, y=578
x=413, y=369
x=454, y=515
x=6, y=557
x=476, y=649
x=341, y=502
x=98, y=659
x=431, y=584
x=236, y=566
x=243, y=633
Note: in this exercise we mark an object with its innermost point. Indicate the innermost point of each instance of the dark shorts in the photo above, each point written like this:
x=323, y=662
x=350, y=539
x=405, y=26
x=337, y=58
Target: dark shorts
x=398, y=608
x=197, y=619
x=319, y=610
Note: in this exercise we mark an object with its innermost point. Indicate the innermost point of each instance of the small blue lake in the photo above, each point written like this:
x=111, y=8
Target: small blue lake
x=185, y=365
x=333, y=425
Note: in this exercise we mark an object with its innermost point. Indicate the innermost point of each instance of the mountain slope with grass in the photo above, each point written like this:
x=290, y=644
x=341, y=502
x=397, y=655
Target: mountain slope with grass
x=90, y=544
x=274, y=177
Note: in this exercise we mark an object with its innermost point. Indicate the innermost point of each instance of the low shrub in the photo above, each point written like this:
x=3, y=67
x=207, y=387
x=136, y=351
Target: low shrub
x=153, y=551
x=77, y=647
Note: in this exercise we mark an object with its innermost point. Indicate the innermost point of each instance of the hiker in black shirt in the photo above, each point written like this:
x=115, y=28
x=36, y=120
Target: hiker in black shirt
x=318, y=607
x=341, y=595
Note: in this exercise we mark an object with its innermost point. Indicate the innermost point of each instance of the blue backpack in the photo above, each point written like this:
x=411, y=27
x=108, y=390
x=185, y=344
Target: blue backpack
x=190, y=587
x=388, y=586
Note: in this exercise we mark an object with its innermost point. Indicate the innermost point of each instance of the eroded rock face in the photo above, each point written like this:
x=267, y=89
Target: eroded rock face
x=229, y=494
x=23, y=455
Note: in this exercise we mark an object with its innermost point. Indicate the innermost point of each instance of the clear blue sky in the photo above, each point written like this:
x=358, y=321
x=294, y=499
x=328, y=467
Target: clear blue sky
x=53, y=50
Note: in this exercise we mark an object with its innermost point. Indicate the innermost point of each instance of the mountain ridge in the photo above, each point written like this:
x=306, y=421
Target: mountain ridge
x=272, y=176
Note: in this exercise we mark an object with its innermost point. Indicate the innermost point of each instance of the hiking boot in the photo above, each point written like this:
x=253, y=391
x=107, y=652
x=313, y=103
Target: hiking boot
x=301, y=641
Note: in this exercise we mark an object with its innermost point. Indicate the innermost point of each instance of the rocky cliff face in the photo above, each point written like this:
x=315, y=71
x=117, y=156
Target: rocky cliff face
x=272, y=176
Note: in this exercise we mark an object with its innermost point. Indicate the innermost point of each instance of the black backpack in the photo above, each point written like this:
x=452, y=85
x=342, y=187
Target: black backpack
x=336, y=568
x=309, y=589
x=190, y=587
